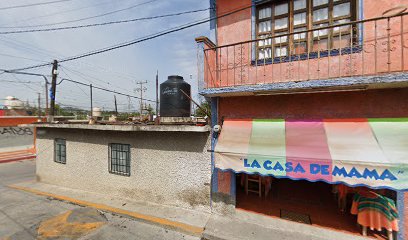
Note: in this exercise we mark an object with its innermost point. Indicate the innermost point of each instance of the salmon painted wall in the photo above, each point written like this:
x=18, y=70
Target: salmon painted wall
x=15, y=121
x=363, y=104
x=237, y=27
x=237, y=66
x=382, y=103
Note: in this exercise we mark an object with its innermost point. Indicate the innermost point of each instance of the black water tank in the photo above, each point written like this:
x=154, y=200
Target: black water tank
x=173, y=103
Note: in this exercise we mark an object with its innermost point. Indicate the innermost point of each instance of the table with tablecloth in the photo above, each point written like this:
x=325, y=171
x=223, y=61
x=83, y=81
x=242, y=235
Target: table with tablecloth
x=375, y=211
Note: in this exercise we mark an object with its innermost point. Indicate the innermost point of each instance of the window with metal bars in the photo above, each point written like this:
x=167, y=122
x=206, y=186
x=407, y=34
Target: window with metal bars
x=60, y=151
x=277, y=18
x=119, y=159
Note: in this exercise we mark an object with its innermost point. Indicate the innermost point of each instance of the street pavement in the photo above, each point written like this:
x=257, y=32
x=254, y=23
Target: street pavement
x=28, y=216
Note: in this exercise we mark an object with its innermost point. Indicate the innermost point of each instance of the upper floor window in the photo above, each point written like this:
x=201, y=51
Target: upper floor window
x=277, y=18
x=60, y=151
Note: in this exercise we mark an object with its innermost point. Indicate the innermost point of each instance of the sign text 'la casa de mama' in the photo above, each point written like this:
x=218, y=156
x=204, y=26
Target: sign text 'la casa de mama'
x=317, y=169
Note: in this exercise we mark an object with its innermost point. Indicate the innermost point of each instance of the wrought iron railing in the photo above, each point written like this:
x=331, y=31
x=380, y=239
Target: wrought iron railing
x=366, y=47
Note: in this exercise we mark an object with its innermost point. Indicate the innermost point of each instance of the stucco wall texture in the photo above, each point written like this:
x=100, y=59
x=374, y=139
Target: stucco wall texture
x=170, y=168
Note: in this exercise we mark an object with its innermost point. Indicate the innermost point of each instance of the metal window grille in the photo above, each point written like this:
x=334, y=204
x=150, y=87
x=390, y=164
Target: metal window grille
x=119, y=159
x=60, y=155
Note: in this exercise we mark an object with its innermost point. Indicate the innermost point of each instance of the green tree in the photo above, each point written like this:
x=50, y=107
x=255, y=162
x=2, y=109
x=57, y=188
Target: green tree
x=203, y=110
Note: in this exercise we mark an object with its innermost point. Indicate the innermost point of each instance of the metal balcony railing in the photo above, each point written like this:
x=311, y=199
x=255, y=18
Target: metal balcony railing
x=359, y=48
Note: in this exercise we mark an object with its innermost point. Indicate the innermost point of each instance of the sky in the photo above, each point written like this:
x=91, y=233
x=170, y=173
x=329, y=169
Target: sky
x=172, y=54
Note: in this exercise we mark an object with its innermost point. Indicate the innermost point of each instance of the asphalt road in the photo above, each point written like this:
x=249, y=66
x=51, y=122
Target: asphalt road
x=28, y=216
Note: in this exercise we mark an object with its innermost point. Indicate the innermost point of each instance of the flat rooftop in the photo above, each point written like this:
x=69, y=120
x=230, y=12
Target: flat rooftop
x=124, y=127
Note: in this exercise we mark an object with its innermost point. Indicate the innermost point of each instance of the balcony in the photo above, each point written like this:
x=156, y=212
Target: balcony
x=339, y=55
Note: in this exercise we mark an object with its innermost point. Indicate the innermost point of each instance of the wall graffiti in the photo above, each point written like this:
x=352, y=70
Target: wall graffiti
x=14, y=138
x=16, y=131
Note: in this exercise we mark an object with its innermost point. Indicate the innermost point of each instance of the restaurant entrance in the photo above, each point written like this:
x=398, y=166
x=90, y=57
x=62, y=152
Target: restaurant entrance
x=315, y=203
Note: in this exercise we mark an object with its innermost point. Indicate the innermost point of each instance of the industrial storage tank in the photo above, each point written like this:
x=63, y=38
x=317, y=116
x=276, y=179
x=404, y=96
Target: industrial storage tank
x=173, y=103
x=13, y=103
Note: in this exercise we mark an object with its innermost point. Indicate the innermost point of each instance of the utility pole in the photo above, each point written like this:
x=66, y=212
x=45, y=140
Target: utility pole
x=157, y=94
x=46, y=97
x=53, y=90
x=39, y=107
x=141, y=89
x=116, y=106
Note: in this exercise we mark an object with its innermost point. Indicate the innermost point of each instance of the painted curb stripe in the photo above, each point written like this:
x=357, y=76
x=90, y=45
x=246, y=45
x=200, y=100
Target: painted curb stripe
x=157, y=220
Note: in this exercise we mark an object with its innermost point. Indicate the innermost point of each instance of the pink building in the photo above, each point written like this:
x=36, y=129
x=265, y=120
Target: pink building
x=328, y=77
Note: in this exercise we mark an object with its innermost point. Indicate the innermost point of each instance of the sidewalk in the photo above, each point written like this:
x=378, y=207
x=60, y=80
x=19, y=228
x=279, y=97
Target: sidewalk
x=242, y=225
x=11, y=156
x=246, y=225
x=184, y=220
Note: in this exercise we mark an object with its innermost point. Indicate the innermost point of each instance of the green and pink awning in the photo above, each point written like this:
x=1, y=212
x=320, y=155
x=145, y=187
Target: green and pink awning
x=357, y=152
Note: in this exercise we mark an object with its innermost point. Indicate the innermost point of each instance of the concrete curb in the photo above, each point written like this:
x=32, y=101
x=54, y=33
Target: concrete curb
x=185, y=228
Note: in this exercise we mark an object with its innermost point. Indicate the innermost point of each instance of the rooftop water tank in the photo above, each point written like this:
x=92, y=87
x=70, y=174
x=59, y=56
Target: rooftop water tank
x=173, y=103
x=96, y=112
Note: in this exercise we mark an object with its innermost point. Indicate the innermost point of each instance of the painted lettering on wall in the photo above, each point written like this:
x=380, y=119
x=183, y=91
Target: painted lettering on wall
x=318, y=169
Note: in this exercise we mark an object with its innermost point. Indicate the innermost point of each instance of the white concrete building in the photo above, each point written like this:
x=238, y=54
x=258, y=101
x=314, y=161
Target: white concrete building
x=168, y=165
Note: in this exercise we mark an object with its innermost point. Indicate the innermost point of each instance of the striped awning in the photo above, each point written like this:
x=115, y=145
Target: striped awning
x=357, y=152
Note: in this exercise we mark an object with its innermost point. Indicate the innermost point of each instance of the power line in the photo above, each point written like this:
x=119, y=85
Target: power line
x=19, y=80
x=31, y=59
x=62, y=69
x=83, y=75
x=33, y=4
x=62, y=12
x=11, y=81
x=104, y=23
x=86, y=18
x=103, y=89
x=17, y=44
x=138, y=40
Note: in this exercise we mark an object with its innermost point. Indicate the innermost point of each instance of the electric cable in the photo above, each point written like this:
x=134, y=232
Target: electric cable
x=61, y=12
x=85, y=18
x=104, y=89
x=33, y=4
x=138, y=40
x=102, y=24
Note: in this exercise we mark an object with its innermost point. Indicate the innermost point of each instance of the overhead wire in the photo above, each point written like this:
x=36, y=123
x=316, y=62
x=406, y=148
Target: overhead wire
x=35, y=49
x=139, y=40
x=19, y=80
x=61, y=12
x=103, y=23
x=85, y=18
x=104, y=89
x=33, y=4
x=11, y=81
x=13, y=56
x=62, y=69
x=87, y=76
